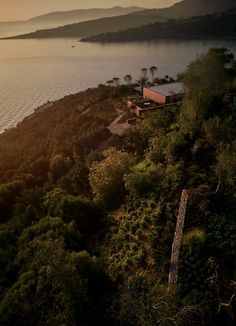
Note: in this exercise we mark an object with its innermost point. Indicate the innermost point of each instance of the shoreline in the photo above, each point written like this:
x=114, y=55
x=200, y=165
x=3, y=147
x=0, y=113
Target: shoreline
x=40, y=108
x=36, y=110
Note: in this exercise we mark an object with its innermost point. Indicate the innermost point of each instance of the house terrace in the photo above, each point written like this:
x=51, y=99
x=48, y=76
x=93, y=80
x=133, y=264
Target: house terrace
x=156, y=97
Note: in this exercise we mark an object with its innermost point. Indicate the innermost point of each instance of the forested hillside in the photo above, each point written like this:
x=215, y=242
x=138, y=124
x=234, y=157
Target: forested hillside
x=88, y=219
x=213, y=26
x=189, y=8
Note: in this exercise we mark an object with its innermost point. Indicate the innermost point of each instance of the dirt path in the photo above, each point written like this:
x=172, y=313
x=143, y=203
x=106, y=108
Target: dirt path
x=86, y=111
x=117, y=128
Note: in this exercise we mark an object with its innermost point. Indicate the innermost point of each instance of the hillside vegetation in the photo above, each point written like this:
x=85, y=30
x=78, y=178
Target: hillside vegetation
x=189, y=8
x=88, y=219
x=211, y=26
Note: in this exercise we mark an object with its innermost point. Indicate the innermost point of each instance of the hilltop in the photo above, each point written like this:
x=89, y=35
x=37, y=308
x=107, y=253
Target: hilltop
x=189, y=8
x=60, y=18
x=74, y=16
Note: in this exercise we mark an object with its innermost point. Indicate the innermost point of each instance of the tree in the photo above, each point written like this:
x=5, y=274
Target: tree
x=79, y=209
x=49, y=288
x=193, y=238
x=93, y=156
x=110, y=83
x=58, y=167
x=144, y=72
x=143, y=179
x=40, y=168
x=53, y=284
x=142, y=82
x=75, y=182
x=226, y=165
x=143, y=78
x=218, y=130
x=8, y=250
x=144, y=302
x=156, y=150
x=205, y=79
x=116, y=81
x=153, y=70
x=8, y=194
x=128, y=79
x=209, y=72
x=106, y=177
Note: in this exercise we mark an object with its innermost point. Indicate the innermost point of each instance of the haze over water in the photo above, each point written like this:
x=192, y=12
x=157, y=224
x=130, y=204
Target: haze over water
x=35, y=71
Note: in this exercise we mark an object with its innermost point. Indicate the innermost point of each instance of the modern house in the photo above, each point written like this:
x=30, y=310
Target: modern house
x=155, y=97
x=140, y=106
x=165, y=94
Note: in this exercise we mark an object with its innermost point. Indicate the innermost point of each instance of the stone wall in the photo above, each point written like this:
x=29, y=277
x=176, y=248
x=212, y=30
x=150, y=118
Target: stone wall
x=176, y=245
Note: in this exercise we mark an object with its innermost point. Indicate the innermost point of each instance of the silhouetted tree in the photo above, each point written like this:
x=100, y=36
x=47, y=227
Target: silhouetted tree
x=153, y=71
x=116, y=81
x=143, y=78
x=110, y=83
x=128, y=79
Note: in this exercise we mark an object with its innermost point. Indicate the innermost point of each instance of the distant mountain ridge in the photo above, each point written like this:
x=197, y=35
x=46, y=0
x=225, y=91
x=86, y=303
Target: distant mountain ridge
x=55, y=19
x=73, y=16
x=88, y=28
x=219, y=25
x=183, y=9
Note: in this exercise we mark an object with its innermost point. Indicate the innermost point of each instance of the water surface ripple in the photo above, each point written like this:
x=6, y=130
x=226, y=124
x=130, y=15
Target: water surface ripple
x=35, y=71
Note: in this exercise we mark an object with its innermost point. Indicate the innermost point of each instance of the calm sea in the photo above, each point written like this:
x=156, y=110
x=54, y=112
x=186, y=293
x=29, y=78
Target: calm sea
x=35, y=71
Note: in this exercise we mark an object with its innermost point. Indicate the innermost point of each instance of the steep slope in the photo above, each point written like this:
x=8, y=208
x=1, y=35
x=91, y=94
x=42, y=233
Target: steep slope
x=136, y=18
x=55, y=19
x=209, y=26
x=74, y=16
x=86, y=234
x=88, y=28
x=188, y=8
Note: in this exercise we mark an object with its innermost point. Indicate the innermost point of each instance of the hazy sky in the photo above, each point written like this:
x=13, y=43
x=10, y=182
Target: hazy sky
x=23, y=9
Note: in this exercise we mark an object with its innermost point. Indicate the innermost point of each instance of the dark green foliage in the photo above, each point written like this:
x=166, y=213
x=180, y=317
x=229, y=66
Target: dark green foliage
x=56, y=280
x=75, y=182
x=70, y=208
x=28, y=207
x=65, y=262
x=58, y=133
x=144, y=302
x=58, y=167
x=8, y=251
x=226, y=165
x=8, y=193
x=106, y=177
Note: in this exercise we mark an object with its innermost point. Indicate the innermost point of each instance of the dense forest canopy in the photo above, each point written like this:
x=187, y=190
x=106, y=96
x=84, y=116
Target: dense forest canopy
x=88, y=218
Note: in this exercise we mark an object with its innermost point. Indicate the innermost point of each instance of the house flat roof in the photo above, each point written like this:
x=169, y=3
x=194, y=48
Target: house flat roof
x=168, y=89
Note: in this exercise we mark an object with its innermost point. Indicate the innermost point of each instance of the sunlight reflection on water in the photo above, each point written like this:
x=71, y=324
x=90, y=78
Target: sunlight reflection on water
x=35, y=71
